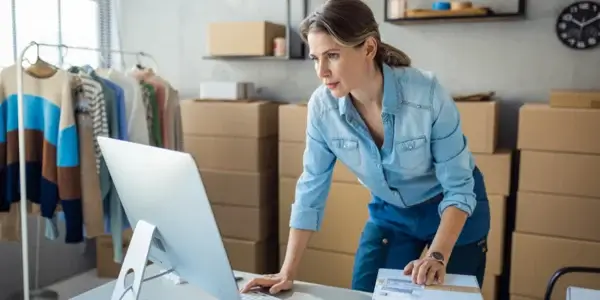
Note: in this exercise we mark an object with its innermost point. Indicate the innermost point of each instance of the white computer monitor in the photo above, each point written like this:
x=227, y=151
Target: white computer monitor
x=164, y=188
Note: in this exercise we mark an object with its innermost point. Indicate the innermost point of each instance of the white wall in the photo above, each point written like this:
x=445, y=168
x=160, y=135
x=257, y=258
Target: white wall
x=520, y=60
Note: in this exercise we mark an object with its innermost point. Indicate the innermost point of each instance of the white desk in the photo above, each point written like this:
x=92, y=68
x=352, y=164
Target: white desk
x=161, y=288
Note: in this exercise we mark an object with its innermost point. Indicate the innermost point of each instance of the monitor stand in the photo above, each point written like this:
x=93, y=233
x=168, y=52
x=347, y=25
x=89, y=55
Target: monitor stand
x=135, y=260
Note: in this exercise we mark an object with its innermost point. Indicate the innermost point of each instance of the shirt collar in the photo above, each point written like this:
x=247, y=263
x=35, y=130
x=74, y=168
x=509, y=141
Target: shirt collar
x=390, y=94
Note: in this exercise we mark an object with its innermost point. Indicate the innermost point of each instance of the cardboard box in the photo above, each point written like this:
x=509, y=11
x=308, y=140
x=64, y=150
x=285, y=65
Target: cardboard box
x=495, y=254
x=243, y=38
x=232, y=154
x=517, y=297
x=246, y=223
x=248, y=119
x=558, y=129
x=560, y=173
x=253, y=189
x=106, y=267
x=338, y=232
x=558, y=215
x=496, y=169
x=575, y=98
x=292, y=122
x=479, y=122
x=252, y=257
x=490, y=287
x=338, y=267
x=536, y=258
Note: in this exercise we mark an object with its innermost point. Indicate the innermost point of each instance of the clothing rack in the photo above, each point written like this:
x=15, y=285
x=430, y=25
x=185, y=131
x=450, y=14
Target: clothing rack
x=21, y=133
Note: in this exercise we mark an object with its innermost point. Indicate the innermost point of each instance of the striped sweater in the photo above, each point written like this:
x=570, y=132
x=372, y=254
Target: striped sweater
x=52, y=153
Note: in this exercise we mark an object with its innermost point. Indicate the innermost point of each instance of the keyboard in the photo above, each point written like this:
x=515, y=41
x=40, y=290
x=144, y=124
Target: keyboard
x=257, y=296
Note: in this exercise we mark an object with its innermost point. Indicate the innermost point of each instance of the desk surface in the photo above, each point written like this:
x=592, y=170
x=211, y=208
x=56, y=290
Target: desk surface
x=162, y=288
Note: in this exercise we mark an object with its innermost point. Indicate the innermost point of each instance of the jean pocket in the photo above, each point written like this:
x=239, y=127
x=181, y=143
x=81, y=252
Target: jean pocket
x=412, y=153
x=347, y=150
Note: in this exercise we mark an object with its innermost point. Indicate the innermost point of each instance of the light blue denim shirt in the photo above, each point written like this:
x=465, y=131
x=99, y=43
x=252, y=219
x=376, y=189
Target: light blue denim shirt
x=424, y=152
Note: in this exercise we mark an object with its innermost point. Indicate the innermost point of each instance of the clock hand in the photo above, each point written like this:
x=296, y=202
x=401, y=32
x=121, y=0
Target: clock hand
x=577, y=23
x=590, y=21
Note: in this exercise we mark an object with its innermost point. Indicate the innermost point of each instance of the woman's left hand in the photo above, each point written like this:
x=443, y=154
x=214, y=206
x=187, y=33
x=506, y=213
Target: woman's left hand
x=426, y=271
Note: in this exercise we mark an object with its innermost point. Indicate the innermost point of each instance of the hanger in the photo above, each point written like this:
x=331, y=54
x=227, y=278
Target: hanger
x=101, y=68
x=41, y=68
x=139, y=61
x=63, y=56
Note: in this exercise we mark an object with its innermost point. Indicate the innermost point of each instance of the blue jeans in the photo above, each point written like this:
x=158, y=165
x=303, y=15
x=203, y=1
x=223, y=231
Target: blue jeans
x=394, y=236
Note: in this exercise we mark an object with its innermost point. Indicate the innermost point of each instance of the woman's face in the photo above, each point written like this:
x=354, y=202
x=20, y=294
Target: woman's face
x=340, y=68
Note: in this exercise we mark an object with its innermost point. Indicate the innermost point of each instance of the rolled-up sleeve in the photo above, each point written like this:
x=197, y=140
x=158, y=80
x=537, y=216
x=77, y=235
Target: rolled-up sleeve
x=453, y=161
x=313, y=185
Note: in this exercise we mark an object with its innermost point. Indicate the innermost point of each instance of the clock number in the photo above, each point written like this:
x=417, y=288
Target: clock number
x=584, y=5
x=562, y=25
x=567, y=17
x=592, y=41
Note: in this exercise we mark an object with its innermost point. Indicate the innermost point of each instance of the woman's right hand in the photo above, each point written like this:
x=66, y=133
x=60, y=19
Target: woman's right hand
x=274, y=282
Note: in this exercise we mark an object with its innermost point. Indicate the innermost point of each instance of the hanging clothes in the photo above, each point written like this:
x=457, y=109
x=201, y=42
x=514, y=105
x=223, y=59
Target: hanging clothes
x=66, y=112
x=169, y=108
x=52, y=155
x=135, y=110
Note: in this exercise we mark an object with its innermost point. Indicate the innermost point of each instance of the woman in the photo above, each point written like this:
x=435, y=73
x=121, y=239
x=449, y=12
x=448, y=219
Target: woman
x=399, y=131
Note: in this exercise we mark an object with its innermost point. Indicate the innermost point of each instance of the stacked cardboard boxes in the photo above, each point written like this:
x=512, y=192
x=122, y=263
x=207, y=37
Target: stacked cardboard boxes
x=333, y=247
x=480, y=121
x=557, y=223
x=235, y=147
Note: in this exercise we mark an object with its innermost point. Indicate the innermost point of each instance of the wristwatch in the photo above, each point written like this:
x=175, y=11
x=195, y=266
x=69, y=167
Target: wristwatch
x=437, y=256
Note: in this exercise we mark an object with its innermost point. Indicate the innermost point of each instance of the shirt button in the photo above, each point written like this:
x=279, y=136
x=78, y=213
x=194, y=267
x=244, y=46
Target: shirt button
x=384, y=241
x=418, y=106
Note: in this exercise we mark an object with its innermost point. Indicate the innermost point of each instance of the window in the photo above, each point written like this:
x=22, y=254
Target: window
x=69, y=22
x=6, y=34
x=80, y=28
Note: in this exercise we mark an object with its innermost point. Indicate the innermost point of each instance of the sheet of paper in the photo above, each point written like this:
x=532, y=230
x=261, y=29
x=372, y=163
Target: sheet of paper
x=398, y=287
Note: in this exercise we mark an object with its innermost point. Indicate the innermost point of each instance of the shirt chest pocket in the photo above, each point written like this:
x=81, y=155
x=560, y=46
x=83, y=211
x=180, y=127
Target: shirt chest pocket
x=347, y=150
x=412, y=153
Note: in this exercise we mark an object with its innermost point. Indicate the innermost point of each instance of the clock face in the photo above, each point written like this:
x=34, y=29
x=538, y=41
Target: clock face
x=578, y=25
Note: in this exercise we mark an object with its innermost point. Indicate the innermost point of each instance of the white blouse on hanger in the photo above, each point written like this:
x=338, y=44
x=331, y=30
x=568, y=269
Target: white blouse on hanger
x=135, y=110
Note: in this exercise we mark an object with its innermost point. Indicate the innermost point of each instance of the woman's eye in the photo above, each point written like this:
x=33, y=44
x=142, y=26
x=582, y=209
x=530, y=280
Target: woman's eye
x=333, y=55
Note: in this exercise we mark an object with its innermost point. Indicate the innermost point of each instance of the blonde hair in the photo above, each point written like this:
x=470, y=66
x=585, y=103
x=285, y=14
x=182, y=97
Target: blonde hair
x=351, y=23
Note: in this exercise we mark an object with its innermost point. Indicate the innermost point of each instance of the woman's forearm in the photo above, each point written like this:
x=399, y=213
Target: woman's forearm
x=451, y=225
x=297, y=243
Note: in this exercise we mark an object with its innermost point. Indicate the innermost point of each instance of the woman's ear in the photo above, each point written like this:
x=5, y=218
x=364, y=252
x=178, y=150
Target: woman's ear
x=371, y=46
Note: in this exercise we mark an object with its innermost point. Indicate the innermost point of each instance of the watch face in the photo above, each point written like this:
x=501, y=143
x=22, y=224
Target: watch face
x=437, y=256
x=578, y=25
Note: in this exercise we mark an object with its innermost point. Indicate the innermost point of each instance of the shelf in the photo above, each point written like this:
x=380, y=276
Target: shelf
x=296, y=48
x=242, y=57
x=484, y=18
x=491, y=17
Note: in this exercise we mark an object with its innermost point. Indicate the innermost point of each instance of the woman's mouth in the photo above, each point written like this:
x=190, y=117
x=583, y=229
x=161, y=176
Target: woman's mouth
x=332, y=85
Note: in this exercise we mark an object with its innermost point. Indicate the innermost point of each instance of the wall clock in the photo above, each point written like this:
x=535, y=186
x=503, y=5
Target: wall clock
x=578, y=25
